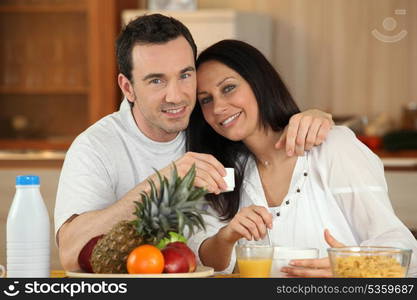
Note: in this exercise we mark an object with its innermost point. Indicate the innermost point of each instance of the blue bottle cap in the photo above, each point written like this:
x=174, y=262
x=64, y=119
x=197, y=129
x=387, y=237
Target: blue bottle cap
x=27, y=180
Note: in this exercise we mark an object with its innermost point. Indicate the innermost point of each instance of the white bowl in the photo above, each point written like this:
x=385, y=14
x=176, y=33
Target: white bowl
x=283, y=255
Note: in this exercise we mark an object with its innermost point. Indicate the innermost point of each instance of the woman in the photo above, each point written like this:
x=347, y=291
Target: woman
x=340, y=185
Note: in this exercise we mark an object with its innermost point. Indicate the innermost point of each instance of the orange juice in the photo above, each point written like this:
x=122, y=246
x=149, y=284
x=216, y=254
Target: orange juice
x=254, y=267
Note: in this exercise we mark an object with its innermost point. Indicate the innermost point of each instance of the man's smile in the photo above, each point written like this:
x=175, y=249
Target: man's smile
x=176, y=112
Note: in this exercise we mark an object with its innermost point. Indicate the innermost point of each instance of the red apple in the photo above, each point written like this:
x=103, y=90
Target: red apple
x=85, y=254
x=175, y=260
x=192, y=264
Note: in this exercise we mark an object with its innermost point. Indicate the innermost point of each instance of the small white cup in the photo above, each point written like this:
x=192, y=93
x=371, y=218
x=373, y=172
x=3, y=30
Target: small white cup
x=2, y=271
x=283, y=255
x=230, y=179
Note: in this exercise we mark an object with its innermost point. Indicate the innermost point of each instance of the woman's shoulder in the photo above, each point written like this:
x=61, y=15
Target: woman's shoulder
x=340, y=134
x=340, y=138
x=343, y=145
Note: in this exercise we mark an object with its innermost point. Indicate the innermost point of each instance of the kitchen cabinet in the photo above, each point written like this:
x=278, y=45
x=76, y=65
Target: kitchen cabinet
x=401, y=176
x=402, y=189
x=57, y=69
x=211, y=25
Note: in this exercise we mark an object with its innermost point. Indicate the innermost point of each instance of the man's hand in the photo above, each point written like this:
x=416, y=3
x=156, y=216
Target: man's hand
x=304, y=131
x=209, y=171
x=313, y=267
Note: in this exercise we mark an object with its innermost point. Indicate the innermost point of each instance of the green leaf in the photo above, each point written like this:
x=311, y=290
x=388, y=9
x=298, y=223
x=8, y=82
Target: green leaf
x=165, y=198
x=197, y=193
x=173, y=237
x=199, y=221
x=164, y=223
x=189, y=177
x=181, y=224
x=176, y=237
x=154, y=193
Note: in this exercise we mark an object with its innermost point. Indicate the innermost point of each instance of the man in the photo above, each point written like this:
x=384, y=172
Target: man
x=107, y=166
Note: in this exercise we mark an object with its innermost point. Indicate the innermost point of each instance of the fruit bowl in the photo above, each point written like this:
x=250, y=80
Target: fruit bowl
x=200, y=272
x=369, y=262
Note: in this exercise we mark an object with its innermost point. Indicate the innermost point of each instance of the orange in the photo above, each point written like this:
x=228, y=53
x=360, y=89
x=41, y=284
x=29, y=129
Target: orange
x=145, y=259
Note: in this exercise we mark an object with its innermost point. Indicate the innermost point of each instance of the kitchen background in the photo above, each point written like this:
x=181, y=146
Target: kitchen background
x=354, y=58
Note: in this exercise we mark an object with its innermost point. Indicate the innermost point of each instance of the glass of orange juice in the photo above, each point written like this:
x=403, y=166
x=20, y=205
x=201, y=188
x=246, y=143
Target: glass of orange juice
x=254, y=260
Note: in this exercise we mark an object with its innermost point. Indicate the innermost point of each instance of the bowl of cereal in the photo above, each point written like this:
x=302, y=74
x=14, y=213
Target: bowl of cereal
x=369, y=262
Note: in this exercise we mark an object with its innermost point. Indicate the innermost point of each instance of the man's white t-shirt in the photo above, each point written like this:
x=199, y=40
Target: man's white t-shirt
x=106, y=161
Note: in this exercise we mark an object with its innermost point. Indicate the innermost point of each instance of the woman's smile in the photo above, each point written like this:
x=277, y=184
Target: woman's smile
x=230, y=120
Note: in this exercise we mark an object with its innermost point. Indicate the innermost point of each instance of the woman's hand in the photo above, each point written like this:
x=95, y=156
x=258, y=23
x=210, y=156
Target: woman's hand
x=313, y=267
x=304, y=131
x=250, y=223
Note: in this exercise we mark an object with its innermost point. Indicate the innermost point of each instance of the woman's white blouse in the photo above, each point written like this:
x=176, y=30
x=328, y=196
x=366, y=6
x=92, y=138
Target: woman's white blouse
x=340, y=186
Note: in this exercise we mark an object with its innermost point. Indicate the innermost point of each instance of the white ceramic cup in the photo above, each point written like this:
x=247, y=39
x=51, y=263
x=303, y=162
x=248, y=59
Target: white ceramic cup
x=2, y=271
x=283, y=255
x=230, y=179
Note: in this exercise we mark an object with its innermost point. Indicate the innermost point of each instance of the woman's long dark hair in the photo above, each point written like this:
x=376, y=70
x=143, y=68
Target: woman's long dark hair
x=275, y=104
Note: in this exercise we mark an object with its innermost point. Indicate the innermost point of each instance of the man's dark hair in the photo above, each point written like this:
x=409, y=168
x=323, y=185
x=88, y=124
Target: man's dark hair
x=275, y=104
x=148, y=29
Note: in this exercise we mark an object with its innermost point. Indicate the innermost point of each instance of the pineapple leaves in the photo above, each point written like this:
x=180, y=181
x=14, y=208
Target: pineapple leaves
x=171, y=208
x=181, y=224
x=154, y=194
x=188, y=179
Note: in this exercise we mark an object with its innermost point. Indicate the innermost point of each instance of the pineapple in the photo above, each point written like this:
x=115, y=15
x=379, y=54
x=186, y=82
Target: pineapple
x=171, y=209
